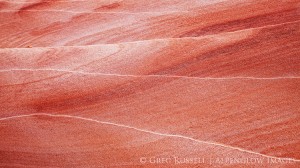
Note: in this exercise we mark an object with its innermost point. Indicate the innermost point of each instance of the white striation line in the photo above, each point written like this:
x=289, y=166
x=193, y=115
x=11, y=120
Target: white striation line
x=142, y=76
x=106, y=12
x=147, y=131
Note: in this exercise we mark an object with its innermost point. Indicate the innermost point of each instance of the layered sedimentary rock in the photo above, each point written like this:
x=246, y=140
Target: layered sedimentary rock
x=267, y=52
x=101, y=143
x=149, y=83
x=115, y=5
x=234, y=111
x=26, y=28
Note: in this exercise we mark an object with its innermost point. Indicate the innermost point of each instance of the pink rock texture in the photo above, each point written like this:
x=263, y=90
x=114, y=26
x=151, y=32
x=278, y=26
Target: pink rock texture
x=150, y=83
x=40, y=28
